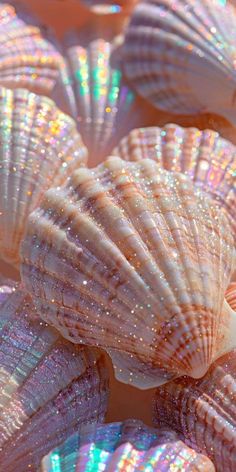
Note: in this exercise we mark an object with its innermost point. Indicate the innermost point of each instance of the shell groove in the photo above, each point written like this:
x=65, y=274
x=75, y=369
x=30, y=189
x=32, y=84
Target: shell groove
x=39, y=145
x=48, y=386
x=181, y=55
x=130, y=257
x=204, y=411
x=102, y=103
x=208, y=159
x=27, y=58
x=129, y=446
x=230, y=295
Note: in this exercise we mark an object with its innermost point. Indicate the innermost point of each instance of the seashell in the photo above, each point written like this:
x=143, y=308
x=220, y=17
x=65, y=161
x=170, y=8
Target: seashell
x=27, y=58
x=181, y=55
x=39, y=145
x=48, y=386
x=204, y=156
x=130, y=257
x=204, y=411
x=99, y=98
x=127, y=446
x=230, y=295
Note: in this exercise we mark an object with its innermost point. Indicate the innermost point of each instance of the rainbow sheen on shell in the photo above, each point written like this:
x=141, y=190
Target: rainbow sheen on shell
x=39, y=145
x=204, y=411
x=27, y=58
x=48, y=386
x=128, y=446
x=208, y=159
x=103, y=7
x=135, y=259
x=180, y=55
x=100, y=99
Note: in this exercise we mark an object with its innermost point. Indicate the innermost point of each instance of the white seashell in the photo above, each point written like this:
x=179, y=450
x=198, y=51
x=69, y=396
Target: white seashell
x=208, y=159
x=135, y=259
x=48, y=386
x=128, y=446
x=39, y=145
x=181, y=54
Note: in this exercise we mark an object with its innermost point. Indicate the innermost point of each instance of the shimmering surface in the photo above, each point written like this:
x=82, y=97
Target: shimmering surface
x=204, y=156
x=204, y=411
x=181, y=55
x=27, y=59
x=38, y=145
x=125, y=447
x=102, y=103
x=138, y=256
x=48, y=387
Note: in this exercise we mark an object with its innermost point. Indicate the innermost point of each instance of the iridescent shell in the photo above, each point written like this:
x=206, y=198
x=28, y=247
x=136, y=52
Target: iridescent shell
x=204, y=411
x=230, y=295
x=27, y=59
x=38, y=145
x=130, y=257
x=180, y=55
x=48, y=386
x=208, y=159
x=99, y=98
x=129, y=446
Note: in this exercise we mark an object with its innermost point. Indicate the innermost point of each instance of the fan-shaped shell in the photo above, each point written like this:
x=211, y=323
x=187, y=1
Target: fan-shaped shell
x=100, y=100
x=230, y=295
x=38, y=145
x=134, y=259
x=181, y=55
x=27, y=59
x=129, y=446
x=204, y=411
x=48, y=386
x=208, y=159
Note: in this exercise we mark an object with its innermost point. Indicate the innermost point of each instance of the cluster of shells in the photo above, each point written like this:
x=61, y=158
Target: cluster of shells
x=118, y=218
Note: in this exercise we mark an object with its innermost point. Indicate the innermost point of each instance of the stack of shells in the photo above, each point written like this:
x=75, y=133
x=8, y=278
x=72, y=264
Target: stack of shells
x=121, y=228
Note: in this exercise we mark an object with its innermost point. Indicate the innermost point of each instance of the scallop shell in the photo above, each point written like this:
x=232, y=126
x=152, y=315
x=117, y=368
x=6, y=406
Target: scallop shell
x=39, y=145
x=128, y=446
x=230, y=295
x=209, y=160
x=27, y=59
x=99, y=98
x=135, y=259
x=180, y=55
x=48, y=386
x=204, y=411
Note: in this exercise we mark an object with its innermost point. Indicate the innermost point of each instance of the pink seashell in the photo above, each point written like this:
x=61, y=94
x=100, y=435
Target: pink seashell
x=27, y=58
x=130, y=257
x=180, y=55
x=204, y=411
x=48, y=386
x=230, y=295
x=129, y=446
x=98, y=97
x=39, y=145
x=208, y=159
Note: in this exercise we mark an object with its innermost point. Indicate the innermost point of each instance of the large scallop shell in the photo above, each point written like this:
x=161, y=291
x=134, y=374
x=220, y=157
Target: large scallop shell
x=230, y=295
x=135, y=259
x=180, y=55
x=27, y=59
x=208, y=159
x=128, y=446
x=204, y=411
x=48, y=386
x=100, y=100
x=38, y=145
